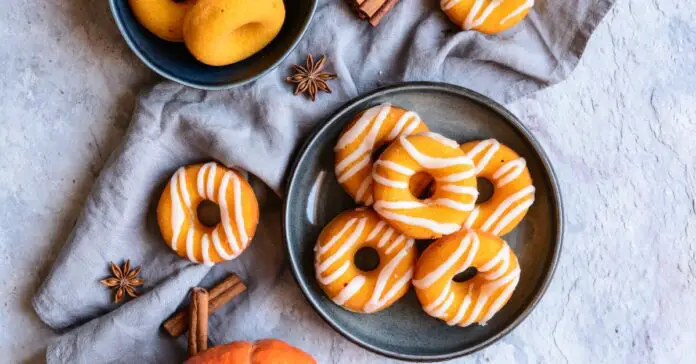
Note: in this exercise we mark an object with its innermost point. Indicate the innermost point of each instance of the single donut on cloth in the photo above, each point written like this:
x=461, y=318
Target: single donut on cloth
x=486, y=16
x=347, y=285
x=454, y=192
x=164, y=18
x=475, y=300
x=357, y=143
x=513, y=191
x=177, y=214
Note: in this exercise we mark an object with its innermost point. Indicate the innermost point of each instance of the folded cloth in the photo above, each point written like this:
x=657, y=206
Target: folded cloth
x=257, y=128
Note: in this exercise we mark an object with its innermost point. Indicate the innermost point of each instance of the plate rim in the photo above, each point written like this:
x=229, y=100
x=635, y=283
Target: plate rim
x=299, y=156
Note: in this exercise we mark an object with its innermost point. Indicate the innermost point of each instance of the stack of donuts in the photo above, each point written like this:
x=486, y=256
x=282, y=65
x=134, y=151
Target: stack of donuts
x=423, y=186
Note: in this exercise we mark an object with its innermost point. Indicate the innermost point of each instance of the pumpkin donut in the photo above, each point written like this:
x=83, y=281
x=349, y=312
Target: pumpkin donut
x=486, y=16
x=178, y=218
x=476, y=299
x=357, y=143
x=164, y=18
x=513, y=191
x=454, y=191
x=347, y=285
x=222, y=32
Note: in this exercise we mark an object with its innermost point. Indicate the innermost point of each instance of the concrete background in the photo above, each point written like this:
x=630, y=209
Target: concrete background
x=621, y=133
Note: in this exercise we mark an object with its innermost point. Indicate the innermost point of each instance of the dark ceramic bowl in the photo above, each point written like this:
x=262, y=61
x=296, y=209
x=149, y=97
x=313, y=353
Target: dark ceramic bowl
x=173, y=61
x=403, y=330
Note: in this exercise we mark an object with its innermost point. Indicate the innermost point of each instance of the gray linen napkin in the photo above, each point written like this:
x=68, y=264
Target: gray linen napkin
x=256, y=128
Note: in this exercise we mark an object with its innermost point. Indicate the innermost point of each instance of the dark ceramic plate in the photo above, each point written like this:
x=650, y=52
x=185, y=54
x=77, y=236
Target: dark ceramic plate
x=173, y=61
x=403, y=331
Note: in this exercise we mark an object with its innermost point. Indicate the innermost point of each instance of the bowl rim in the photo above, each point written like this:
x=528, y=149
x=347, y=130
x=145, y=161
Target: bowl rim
x=226, y=86
x=516, y=124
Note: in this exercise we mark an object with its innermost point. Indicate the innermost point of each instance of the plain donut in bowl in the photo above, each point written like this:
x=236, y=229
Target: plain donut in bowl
x=222, y=32
x=163, y=18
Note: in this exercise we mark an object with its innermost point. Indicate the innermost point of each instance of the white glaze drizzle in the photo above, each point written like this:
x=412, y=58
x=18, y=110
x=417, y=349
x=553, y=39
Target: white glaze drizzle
x=357, y=167
x=471, y=21
x=388, y=182
x=178, y=215
x=438, y=228
x=440, y=139
x=464, y=190
x=472, y=217
x=448, y=4
x=512, y=214
x=364, y=187
x=436, y=274
x=368, y=142
x=387, y=235
x=376, y=230
x=344, y=248
x=432, y=162
x=334, y=239
x=224, y=213
x=507, y=203
x=492, y=145
x=350, y=290
x=335, y=275
x=375, y=303
x=189, y=246
x=509, y=172
x=395, y=167
x=528, y=4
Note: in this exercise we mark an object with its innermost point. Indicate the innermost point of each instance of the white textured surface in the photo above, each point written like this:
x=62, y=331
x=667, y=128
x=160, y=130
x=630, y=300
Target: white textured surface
x=620, y=133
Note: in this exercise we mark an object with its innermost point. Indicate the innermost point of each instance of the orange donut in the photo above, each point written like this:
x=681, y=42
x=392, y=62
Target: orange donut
x=454, y=191
x=486, y=16
x=347, y=285
x=513, y=191
x=178, y=219
x=476, y=299
x=370, y=130
x=164, y=18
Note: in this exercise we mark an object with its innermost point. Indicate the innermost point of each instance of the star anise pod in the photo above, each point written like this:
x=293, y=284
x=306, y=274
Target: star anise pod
x=310, y=78
x=124, y=281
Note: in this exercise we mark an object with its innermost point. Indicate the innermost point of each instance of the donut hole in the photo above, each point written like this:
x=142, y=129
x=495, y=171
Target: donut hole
x=366, y=259
x=208, y=213
x=376, y=152
x=422, y=185
x=465, y=275
x=485, y=188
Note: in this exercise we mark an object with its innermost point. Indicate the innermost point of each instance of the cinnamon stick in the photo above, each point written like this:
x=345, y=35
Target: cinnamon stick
x=379, y=15
x=370, y=7
x=219, y=295
x=198, y=321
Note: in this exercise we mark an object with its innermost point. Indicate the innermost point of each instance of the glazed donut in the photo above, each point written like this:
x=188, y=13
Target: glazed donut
x=164, y=18
x=178, y=219
x=486, y=16
x=513, y=191
x=454, y=192
x=476, y=299
x=370, y=130
x=222, y=32
x=347, y=285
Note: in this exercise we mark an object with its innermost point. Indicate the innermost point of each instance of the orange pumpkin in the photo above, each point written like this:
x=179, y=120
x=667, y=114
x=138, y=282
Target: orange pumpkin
x=268, y=351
